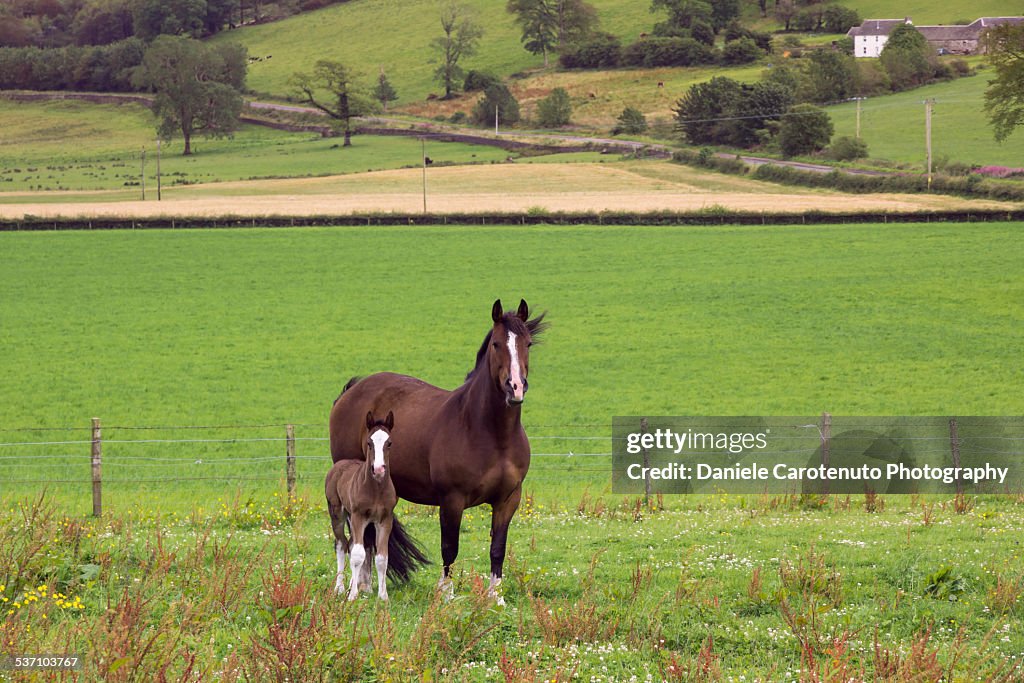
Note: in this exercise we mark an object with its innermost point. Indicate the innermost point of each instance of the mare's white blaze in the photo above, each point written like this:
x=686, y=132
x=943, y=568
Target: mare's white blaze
x=339, y=583
x=358, y=555
x=379, y=438
x=382, y=571
x=515, y=373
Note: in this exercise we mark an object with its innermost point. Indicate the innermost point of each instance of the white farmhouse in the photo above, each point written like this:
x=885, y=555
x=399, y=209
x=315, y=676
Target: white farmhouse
x=870, y=37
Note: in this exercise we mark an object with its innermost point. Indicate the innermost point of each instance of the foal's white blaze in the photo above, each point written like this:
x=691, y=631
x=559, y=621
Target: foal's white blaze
x=379, y=438
x=515, y=373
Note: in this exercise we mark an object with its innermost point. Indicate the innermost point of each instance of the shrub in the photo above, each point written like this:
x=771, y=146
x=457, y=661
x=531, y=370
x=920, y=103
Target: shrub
x=741, y=51
x=631, y=122
x=839, y=19
x=601, y=50
x=960, y=67
x=804, y=129
x=499, y=97
x=479, y=80
x=846, y=148
x=555, y=109
x=667, y=52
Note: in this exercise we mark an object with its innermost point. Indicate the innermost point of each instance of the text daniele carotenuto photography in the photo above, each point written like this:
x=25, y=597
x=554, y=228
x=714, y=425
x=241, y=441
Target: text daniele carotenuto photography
x=823, y=454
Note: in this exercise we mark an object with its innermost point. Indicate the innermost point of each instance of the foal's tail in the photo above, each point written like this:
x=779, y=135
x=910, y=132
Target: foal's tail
x=405, y=555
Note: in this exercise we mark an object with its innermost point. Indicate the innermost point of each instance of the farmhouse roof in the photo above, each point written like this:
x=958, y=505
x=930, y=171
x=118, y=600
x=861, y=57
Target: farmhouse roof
x=952, y=32
x=877, y=27
x=989, y=22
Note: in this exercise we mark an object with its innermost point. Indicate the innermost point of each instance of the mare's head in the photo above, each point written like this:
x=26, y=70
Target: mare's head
x=377, y=447
x=505, y=353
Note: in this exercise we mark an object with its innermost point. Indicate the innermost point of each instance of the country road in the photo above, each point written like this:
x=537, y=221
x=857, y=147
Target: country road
x=503, y=138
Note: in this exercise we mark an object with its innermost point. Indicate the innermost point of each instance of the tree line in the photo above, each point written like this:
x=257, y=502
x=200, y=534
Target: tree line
x=60, y=23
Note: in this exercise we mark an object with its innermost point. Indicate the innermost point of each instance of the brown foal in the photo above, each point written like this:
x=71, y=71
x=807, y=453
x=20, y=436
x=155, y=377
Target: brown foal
x=359, y=493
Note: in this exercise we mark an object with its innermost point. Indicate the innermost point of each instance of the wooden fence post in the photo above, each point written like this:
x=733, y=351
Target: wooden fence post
x=826, y=437
x=954, y=446
x=647, y=464
x=97, y=474
x=290, y=459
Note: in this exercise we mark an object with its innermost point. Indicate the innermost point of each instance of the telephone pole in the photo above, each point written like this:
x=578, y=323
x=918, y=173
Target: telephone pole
x=928, y=136
x=858, y=100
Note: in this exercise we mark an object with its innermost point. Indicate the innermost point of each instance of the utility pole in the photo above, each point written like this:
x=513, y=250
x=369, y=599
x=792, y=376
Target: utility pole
x=423, y=147
x=495, y=119
x=859, y=100
x=142, y=174
x=928, y=136
x=158, y=197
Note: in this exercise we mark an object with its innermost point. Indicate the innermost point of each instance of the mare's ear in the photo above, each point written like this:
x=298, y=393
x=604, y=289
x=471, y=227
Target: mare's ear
x=524, y=310
x=369, y=419
x=496, y=311
x=389, y=421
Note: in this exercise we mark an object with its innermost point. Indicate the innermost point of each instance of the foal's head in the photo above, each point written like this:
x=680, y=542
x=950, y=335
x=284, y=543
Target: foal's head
x=377, y=448
x=507, y=350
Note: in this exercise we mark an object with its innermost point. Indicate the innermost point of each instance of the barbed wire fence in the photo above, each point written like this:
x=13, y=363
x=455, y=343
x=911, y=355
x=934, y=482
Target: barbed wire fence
x=149, y=457
x=99, y=455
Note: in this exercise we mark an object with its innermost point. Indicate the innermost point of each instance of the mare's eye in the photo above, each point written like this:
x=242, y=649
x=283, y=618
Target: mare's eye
x=495, y=344
x=388, y=444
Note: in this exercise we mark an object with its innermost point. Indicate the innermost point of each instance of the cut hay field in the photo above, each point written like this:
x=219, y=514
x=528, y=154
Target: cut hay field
x=615, y=185
x=219, y=576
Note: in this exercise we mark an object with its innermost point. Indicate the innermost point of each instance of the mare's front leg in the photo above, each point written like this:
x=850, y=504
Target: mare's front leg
x=451, y=521
x=358, y=523
x=383, y=533
x=501, y=517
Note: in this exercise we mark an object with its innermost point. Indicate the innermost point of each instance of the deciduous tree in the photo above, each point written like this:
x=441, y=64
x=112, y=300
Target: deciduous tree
x=804, y=129
x=1004, y=99
x=333, y=89
x=197, y=91
x=461, y=34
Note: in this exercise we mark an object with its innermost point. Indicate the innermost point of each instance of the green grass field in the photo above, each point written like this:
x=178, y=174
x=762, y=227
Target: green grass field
x=109, y=139
x=371, y=35
x=226, y=578
x=893, y=126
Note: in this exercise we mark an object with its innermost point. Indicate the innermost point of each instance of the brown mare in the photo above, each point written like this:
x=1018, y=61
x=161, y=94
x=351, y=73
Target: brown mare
x=454, y=449
x=359, y=494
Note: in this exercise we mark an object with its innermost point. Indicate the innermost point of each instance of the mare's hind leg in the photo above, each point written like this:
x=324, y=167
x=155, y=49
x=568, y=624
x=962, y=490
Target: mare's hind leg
x=358, y=553
x=501, y=517
x=451, y=522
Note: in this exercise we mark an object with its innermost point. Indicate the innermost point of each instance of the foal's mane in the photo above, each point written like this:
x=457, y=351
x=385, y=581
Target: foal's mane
x=514, y=324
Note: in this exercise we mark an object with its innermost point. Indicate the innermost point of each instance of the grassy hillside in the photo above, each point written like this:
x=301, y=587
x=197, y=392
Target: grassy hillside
x=928, y=12
x=893, y=126
x=109, y=139
x=371, y=34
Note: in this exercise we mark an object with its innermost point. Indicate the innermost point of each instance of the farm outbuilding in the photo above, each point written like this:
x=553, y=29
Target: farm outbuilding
x=870, y=37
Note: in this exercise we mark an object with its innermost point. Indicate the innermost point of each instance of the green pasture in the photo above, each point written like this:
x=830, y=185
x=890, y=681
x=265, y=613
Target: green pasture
x=371, y=35
x=240, y=329
x=894, y=126
x=108, y=140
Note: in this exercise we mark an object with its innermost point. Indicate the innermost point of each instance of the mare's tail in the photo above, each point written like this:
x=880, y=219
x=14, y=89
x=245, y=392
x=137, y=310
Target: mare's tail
x=405, y=555
x=351, y=383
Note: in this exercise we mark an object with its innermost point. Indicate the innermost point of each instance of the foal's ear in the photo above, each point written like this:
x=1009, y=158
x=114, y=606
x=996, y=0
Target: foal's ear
x=389, y=421
x=369, y=419
x=496, y=311
x=524, y=310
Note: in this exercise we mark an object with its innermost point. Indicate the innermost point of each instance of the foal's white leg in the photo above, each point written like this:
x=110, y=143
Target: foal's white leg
x=339, y=582
x=382, y=570
x=493, y=590
x=381, y=560
x=358, y=557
